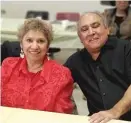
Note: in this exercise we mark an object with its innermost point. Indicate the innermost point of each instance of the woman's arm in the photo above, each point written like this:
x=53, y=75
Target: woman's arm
x=63, y=101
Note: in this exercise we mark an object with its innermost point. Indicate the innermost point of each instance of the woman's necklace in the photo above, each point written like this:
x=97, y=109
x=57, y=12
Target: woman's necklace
x=37, y=69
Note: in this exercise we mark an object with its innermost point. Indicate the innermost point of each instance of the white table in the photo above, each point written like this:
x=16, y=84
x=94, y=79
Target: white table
x=16, y=115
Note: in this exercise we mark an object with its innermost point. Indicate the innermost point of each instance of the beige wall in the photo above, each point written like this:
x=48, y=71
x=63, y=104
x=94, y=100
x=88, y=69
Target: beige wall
x=17, y=9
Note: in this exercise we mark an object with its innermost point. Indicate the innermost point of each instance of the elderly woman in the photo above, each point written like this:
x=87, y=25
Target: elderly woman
x=119, y=19
x=35, y=82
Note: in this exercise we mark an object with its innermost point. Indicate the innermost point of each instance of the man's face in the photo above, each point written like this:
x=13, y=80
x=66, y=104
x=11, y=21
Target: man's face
x=92, y=31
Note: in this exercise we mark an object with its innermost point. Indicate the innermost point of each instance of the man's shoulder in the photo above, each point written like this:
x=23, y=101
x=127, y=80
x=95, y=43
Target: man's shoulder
x=121, y=45
x=75, y=56
x=126, y=44
x=123, y=42
x=118, y=40
x=76, y=59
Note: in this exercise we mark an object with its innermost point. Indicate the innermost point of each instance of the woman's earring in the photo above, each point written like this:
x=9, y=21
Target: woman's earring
x=21, y=53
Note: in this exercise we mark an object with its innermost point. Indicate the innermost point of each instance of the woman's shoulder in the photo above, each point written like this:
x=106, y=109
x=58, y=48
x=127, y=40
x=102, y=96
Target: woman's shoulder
x=59, y=67
x=11, y=61
x=109, y=11
x=62, y=73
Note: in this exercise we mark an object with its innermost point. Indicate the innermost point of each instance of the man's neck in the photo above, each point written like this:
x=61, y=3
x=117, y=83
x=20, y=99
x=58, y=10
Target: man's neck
x=94, y=54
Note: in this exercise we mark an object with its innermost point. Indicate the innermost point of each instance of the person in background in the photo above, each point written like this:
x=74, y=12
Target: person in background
x=102, y=70
x=119, y=19
x=35, y=82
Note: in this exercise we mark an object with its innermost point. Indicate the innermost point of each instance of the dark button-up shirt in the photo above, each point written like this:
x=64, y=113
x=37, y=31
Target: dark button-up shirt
x=105, y=80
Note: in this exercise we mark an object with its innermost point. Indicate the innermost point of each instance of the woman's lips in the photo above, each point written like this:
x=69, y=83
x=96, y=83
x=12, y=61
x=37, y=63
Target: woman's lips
x=34, y=52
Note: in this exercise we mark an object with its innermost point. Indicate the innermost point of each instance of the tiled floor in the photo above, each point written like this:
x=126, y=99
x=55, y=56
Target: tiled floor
x=80, y=102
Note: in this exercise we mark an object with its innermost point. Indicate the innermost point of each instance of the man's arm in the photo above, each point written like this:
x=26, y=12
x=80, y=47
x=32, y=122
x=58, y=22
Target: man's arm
x=123, y=106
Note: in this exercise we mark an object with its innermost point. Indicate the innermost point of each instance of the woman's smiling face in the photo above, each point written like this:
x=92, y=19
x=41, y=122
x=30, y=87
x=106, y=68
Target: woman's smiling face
x=34, y=45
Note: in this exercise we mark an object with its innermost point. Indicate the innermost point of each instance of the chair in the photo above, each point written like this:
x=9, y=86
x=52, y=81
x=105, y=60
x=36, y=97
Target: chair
x=53, y=50
x=10, y=49
x=71, y=16
x=40, y=14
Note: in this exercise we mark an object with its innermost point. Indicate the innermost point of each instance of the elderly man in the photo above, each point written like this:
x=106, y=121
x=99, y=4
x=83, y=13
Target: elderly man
x=103, y=70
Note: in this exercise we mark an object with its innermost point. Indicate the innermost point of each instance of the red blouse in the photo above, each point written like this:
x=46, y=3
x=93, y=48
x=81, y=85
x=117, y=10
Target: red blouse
x=48, y=90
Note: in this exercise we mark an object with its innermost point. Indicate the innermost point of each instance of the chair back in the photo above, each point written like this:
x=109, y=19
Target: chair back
x=10, y=49
x=71, y=16
x=38, y=14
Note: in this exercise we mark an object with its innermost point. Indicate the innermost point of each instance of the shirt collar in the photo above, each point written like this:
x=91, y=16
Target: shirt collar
x=44, y=71
x=111, y=42
x=23, y=65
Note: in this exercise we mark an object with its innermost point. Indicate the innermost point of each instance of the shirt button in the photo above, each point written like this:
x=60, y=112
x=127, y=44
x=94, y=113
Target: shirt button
x=101, y=80
x=104, y=94
x=27, y=101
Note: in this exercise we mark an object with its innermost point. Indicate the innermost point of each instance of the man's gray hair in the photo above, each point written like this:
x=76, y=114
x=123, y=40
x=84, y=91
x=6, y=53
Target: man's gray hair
x=101, y=15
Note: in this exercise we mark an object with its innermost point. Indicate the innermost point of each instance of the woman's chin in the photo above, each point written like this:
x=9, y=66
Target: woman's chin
x=34, y=58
